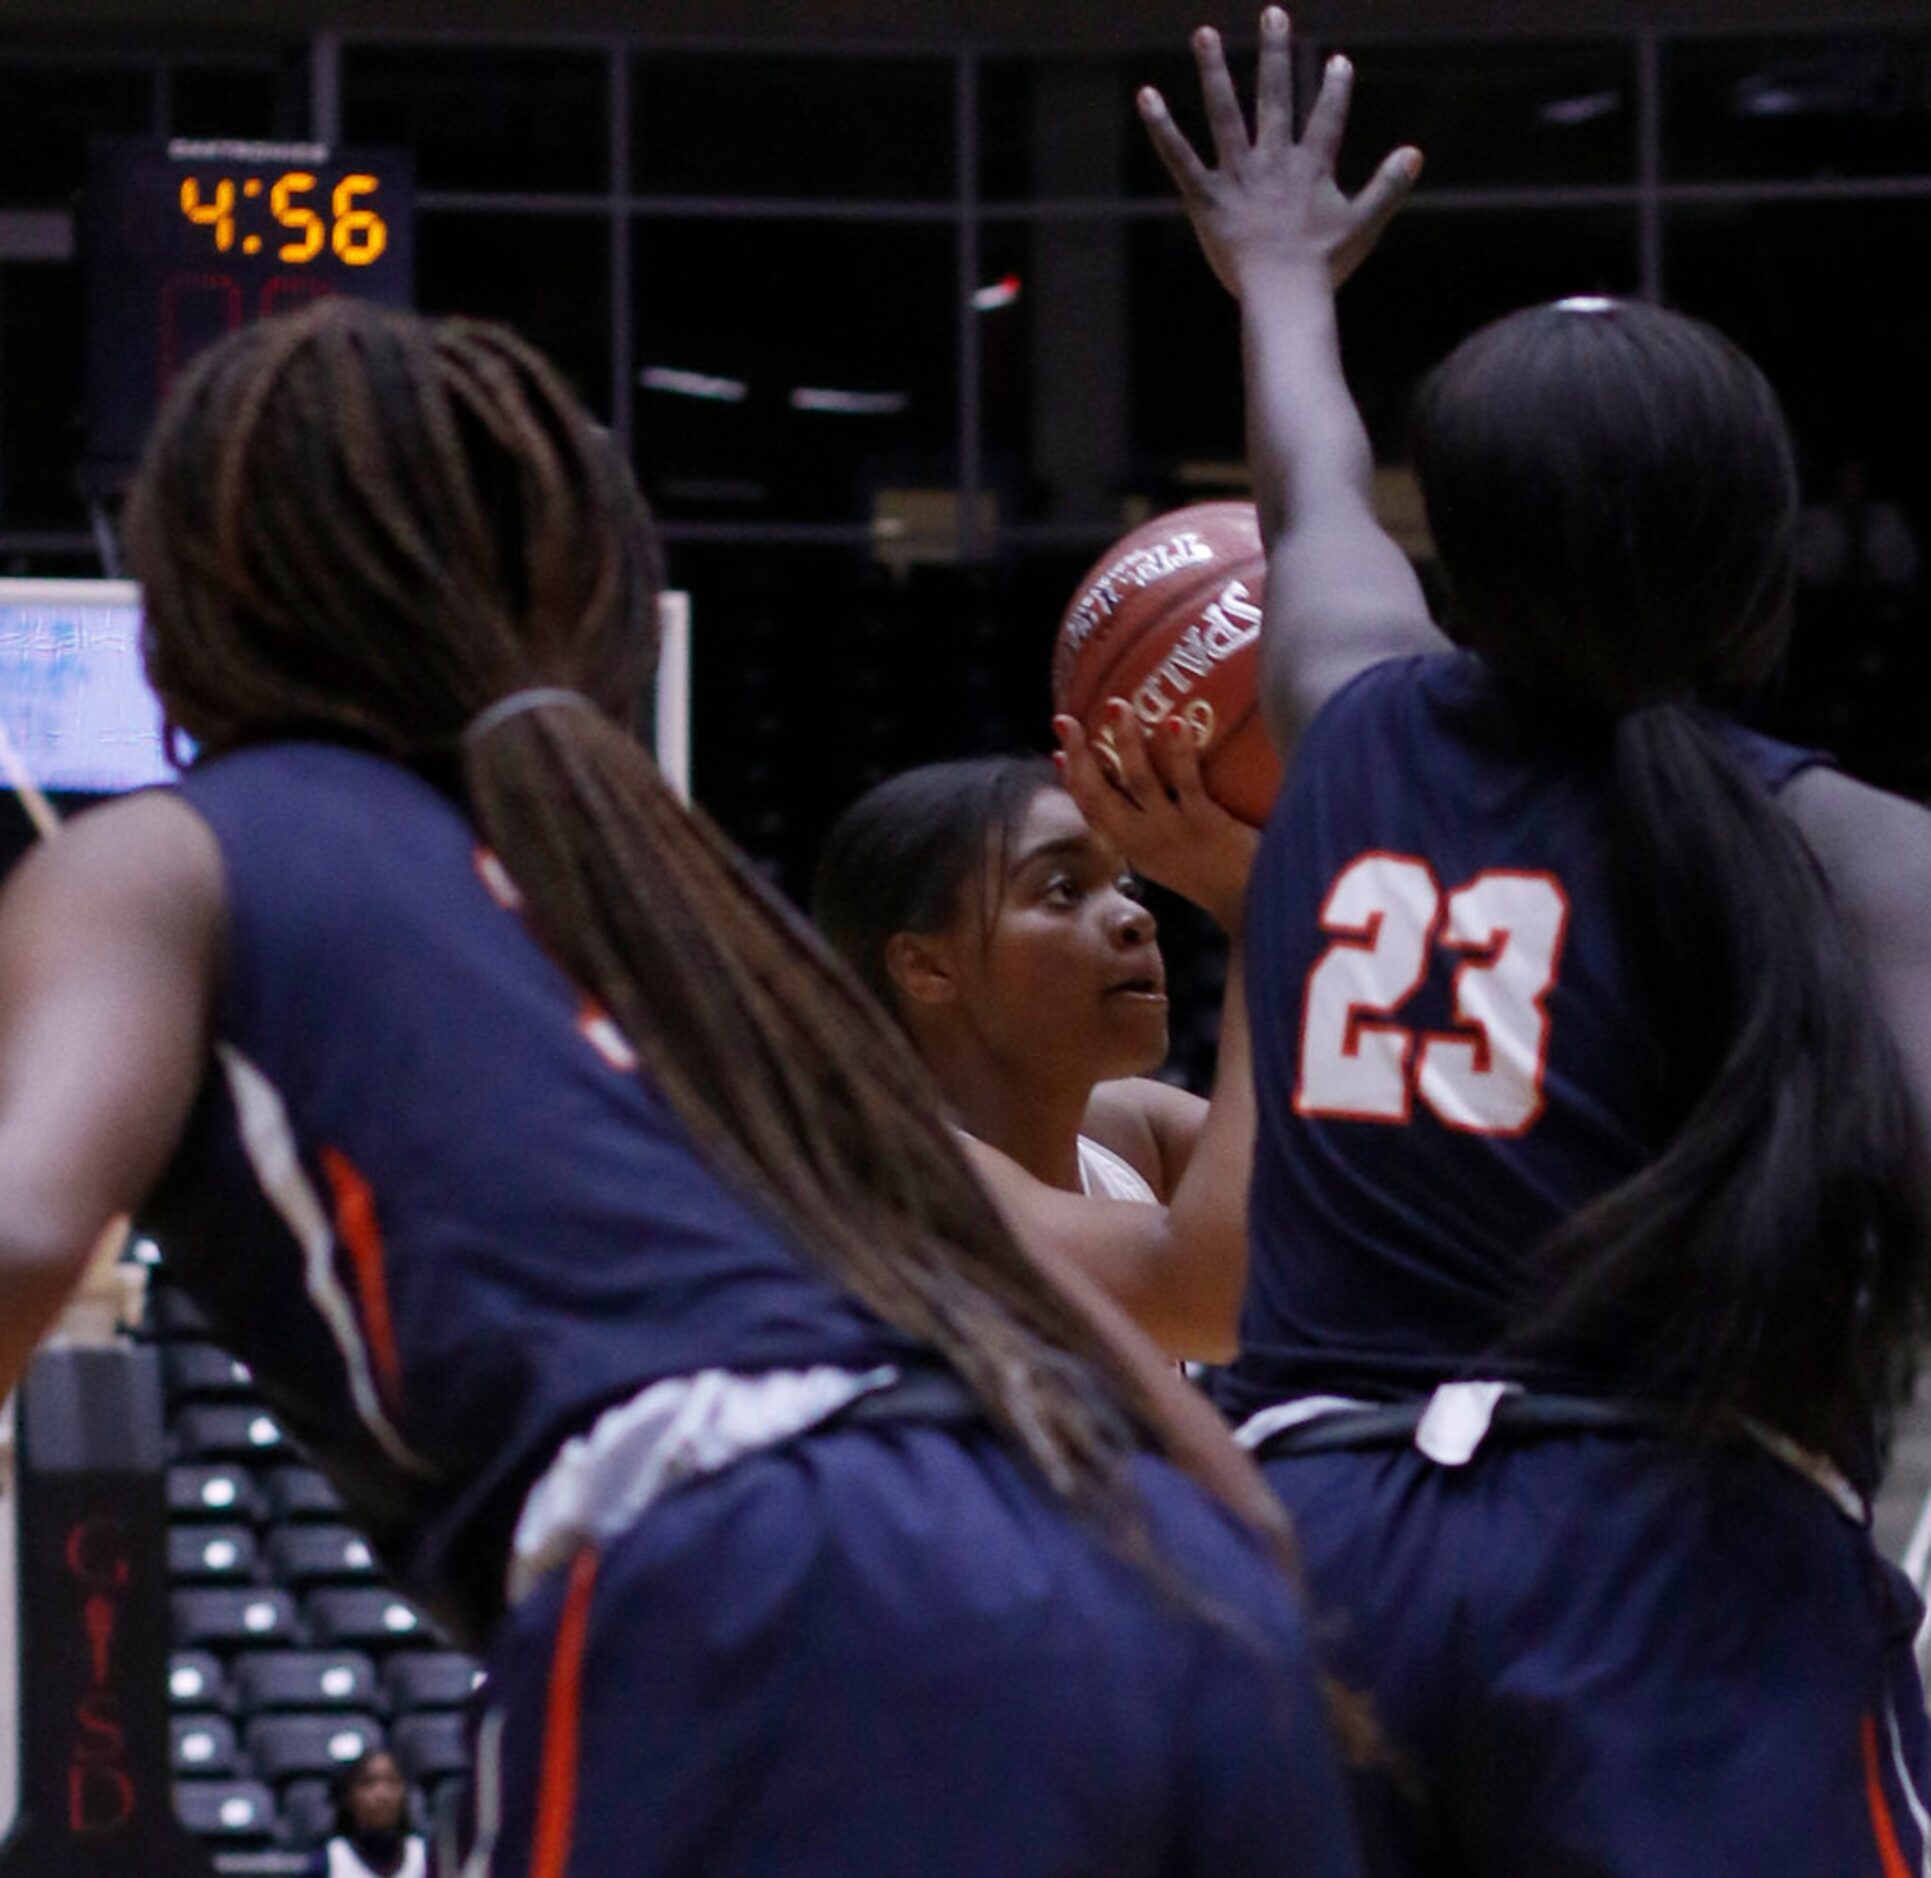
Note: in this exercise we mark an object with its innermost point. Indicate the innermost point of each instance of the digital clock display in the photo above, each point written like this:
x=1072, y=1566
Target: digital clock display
x=353, y=230
x=184, y=241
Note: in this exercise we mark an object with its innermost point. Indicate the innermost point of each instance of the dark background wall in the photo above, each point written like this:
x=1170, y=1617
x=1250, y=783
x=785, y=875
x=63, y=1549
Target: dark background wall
x=938, y=22
x=948, y=214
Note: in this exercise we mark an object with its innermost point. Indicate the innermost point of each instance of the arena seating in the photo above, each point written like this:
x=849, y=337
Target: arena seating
x=290, y=1653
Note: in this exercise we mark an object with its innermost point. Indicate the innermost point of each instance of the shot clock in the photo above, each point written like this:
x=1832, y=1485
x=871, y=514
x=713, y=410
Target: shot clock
x=184, y=240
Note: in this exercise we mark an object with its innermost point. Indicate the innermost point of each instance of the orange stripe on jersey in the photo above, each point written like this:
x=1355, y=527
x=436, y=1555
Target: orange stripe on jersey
x=356, y=1227
x=556, y=1796
x=1890, y=1855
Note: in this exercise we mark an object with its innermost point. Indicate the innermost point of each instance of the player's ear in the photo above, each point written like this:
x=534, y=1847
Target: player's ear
x=921, y=968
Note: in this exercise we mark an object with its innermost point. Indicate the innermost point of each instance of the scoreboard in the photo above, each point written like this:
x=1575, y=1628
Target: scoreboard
x=184, y=240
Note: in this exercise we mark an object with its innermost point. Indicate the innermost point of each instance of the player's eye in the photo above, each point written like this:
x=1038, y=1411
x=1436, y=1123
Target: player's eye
x=1062, y=890
x=1133, y=887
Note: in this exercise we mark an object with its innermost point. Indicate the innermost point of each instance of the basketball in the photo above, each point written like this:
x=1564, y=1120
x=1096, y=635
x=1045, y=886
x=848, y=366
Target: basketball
x=1169, y=619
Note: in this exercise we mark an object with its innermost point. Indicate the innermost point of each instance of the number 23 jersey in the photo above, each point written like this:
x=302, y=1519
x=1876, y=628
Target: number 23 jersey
x=1451, y=1047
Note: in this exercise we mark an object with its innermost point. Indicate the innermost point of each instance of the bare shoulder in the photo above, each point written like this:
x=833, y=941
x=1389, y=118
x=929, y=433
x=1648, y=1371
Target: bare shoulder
x=1150, y=1125
x=146, y=858
x=1874, y=847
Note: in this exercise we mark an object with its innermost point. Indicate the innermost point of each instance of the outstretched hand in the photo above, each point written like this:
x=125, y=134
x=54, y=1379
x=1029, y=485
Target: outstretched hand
x=1146, y=796
x=1273, y=202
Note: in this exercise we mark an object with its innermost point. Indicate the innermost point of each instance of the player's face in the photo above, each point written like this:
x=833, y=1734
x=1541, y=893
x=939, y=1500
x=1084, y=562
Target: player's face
x=376, y=1797
x=1070, y=971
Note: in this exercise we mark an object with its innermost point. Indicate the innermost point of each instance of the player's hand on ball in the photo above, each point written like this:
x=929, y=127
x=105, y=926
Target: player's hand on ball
x=1143, y=792
x=1272, y=202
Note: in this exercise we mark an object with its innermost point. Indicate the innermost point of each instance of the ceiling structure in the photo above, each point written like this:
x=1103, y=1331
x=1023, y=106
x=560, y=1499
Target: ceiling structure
x=1031, y=23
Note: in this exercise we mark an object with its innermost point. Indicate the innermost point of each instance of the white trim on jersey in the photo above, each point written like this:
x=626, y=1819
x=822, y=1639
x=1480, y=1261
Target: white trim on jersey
x=489, y=1794
x=268, y=1139
x=343, y=1862
x=1918, y=1815
x=1104, y=1175
x=679, y=1429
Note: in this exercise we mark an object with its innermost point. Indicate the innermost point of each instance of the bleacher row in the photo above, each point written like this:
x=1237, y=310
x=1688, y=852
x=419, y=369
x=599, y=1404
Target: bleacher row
x=290, y=1655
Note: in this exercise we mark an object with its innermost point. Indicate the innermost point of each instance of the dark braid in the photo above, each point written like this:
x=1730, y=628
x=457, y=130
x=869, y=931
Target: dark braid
x=362, y=526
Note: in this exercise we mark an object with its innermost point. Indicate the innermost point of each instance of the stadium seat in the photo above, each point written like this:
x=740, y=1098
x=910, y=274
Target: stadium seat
x=195, y=1680
x=428, y=1679
x=367, y=1619
x=201, y=1744
x=211, y=1554
x=448, y=1811
x=236, y=1815
x=266, y=1680
x=231, y=1618
x=308, y=1813
x=173, y=1317
x=300, y=1493
x=211, y=1432
x=301, y=1556
x=431, y=1747
x=216, y=1493
x=287, y=1747
x=199, y=1372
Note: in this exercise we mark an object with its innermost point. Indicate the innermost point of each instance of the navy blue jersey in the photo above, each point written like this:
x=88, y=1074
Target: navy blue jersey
x=1452, y=1051
x=425, y=1192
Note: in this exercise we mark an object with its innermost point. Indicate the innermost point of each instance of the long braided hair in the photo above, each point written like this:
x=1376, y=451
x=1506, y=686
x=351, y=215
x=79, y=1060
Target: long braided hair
x=359, y=525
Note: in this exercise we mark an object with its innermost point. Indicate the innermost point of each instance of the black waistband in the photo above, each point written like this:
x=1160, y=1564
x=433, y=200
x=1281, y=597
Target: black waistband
x=1516, y=1417
x=917, y=1395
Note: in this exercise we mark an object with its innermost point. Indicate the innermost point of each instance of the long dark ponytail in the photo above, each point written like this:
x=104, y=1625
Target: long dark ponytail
x=358, y=524
x=1613, y=495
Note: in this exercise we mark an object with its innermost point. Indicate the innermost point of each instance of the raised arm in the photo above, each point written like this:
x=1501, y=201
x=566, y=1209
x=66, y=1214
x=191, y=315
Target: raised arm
x=109, y=940
x=1279, y=233
x=1179, y=1269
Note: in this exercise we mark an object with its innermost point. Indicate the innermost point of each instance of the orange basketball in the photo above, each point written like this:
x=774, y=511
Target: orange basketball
x=1169, y=619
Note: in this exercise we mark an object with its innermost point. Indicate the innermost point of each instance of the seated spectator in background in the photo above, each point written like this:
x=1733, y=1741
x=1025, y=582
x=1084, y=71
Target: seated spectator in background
x=1859, y=661
x=1857, y=543
x=372, y=1837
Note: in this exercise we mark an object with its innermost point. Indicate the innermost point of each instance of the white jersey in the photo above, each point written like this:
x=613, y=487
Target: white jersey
x=1103, y=1175
x=343, y=1862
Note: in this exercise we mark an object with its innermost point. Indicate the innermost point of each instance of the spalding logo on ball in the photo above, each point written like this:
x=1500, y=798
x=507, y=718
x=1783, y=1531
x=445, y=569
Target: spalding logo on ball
x=1169, y=619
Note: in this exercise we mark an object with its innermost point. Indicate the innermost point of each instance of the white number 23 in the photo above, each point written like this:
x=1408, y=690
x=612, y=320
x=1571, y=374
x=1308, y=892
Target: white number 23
x=1386, y=913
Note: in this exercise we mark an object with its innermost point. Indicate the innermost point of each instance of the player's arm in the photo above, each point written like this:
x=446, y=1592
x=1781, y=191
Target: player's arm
x=1177, y=1270
x=1341, y=595
x=1152, y=1124
x=109, y=944
x=1182, y=1277
x=1152, y=805
x=1875, y=848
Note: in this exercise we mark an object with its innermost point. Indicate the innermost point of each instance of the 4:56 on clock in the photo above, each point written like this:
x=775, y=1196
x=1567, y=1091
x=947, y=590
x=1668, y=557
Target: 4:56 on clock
x=353, y=228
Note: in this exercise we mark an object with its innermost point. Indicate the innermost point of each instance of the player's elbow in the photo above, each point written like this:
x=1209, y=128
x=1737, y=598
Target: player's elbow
x=1195, y=1316
x=1210, y=1339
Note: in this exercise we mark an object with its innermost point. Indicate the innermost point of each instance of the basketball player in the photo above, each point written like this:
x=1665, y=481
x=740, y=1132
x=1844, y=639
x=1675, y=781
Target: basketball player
x=588, y=1226
x=1588, y=1246
x=1007, y=936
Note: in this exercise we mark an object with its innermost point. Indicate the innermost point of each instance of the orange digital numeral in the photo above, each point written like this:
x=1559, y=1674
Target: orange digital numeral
x=296, y=215
x=361, y=235
x=218, y=214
